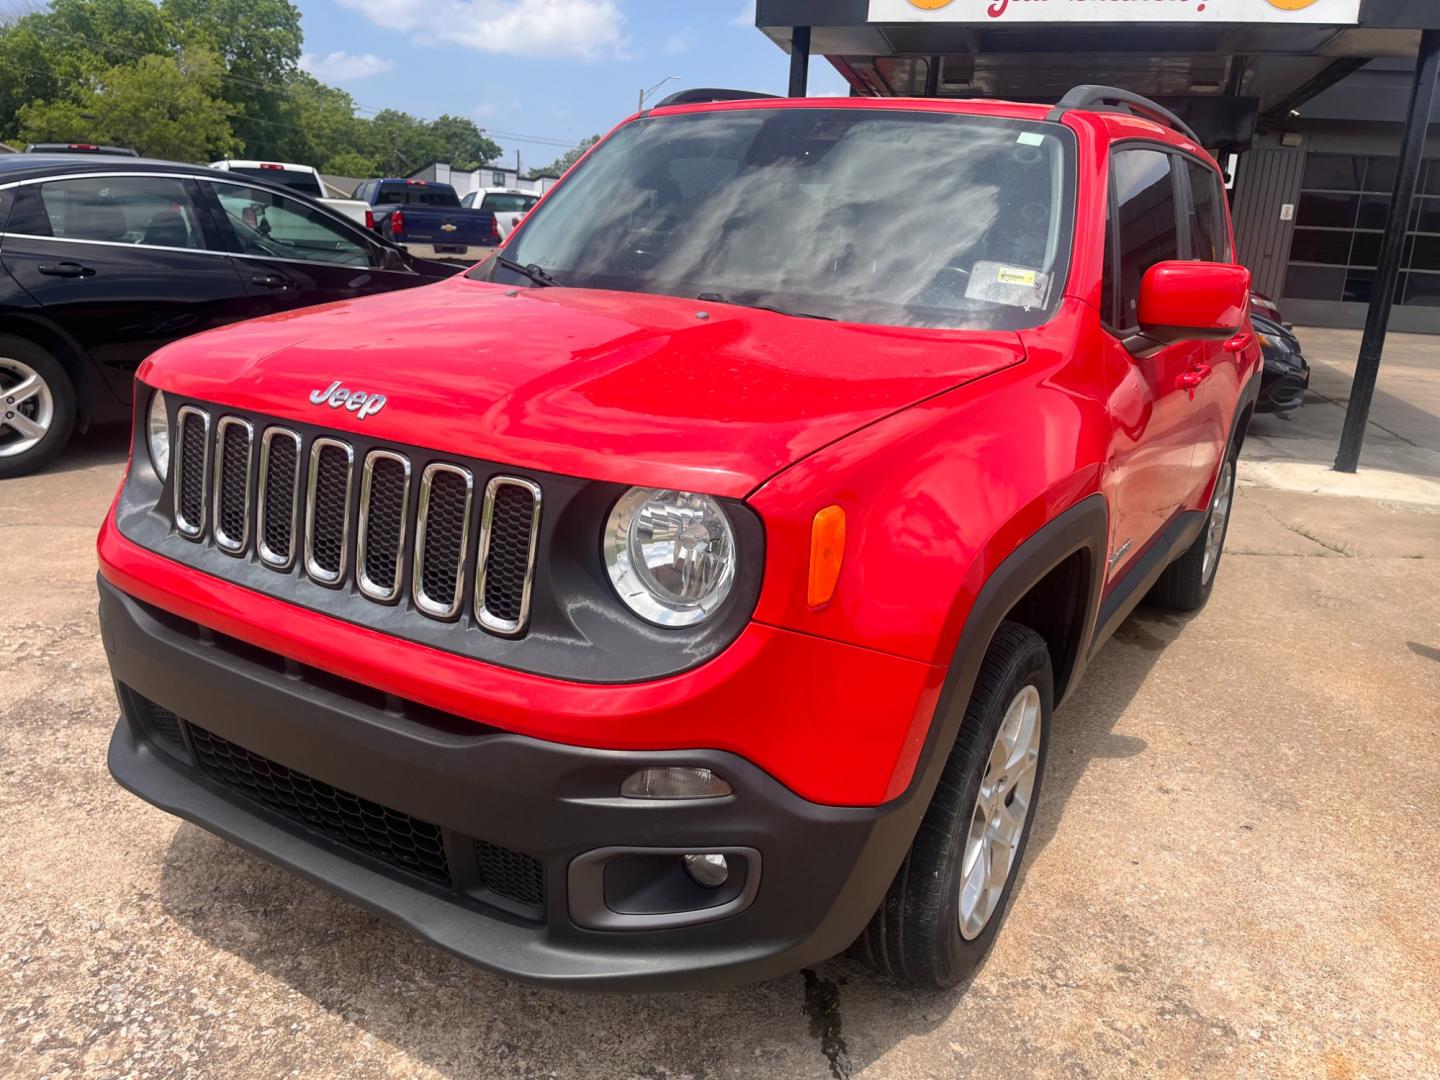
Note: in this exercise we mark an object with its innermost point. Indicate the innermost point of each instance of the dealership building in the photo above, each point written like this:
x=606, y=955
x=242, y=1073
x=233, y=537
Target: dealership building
x=1306, y=101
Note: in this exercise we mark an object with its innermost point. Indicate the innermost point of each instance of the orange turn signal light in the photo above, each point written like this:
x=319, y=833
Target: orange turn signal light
x=827, y=552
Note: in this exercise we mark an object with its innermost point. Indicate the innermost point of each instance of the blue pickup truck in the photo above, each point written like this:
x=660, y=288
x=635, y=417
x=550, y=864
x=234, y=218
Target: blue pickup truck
x=426, y=218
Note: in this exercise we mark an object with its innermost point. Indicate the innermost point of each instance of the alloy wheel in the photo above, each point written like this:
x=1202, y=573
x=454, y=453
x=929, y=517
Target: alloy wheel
x=1002, y=808
x=27, y=407
x=1219, y=518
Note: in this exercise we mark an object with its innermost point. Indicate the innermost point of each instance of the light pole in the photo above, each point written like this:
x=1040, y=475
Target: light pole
x=646, y=93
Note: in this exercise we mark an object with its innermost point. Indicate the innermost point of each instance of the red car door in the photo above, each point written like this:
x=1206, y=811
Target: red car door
x=1220, y=363
x=1152, y=462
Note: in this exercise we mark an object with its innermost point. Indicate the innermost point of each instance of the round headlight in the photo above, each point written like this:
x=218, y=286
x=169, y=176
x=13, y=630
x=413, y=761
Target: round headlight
x=670, y=555
x=157, y=434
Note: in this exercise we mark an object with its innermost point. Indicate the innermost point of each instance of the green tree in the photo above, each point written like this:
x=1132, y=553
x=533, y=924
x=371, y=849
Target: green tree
x=461, y=143
x=196, y=79
x=162, y=106
x=44, y=54
x=559, y=166
x=259, y=42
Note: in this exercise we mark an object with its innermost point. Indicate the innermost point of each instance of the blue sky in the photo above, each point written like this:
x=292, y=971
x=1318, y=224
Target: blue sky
x=550, y=71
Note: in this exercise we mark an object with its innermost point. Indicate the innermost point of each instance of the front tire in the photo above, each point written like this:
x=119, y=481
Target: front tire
x=950, y=896
x=37, y=407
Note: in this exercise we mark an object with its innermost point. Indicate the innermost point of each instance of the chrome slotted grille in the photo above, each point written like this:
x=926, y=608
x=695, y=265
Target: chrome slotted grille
x=327, y=510
x=442, y=536
x=279, y=500
x=509, y=531
x=399, y=533
x=380, y=549
x=192, y=466
x=234, y=440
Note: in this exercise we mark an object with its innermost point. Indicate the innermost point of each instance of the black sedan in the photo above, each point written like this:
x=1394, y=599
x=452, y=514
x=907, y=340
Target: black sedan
x=1286, y=376
x=104, y=259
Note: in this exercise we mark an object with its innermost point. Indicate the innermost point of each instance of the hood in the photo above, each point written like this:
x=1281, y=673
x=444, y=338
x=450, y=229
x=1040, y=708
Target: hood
x=603, y=385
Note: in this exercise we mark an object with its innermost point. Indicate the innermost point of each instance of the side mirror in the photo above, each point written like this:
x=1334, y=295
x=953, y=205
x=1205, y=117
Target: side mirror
x=391, y=259
x=1191, y=301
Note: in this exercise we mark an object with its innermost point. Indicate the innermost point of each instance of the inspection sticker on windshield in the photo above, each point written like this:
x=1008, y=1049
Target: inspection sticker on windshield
x=1010, y=275
x=1031, y=138
x=1001, y=283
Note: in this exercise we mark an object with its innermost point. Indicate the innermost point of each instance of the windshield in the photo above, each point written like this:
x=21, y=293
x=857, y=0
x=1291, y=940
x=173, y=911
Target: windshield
x=866, y=215
x=294, y=179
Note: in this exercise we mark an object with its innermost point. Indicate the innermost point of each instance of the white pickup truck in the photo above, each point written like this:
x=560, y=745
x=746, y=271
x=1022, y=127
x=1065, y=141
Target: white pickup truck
x=301, y=178
x=507, y=204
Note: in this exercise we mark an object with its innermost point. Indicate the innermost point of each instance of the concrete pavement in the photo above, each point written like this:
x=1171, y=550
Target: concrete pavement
x=1233, y=874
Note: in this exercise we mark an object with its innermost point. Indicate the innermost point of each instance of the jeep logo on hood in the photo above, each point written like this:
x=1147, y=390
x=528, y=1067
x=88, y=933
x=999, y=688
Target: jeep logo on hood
x=357, y=401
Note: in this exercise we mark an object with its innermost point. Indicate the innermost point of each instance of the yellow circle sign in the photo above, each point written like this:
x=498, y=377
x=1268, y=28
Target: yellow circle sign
x=1291, y=5
x=930, y=5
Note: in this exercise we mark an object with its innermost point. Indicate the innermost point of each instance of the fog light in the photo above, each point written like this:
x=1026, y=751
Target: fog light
x=674, y=783
x=708, y=870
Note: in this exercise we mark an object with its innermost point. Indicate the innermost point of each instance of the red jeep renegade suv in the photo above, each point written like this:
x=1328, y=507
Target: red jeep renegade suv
x=684, y=594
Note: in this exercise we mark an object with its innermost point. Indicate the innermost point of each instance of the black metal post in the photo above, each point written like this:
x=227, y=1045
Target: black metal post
x=932, y=76
x=1392, y=250
x=799, y=61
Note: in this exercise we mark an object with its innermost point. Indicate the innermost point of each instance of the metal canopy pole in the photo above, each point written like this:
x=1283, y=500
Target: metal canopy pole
x=1392, y=250
x=799, y=61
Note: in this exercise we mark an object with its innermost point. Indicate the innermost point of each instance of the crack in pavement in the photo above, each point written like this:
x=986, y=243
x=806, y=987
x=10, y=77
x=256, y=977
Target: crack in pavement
x=822, y=1005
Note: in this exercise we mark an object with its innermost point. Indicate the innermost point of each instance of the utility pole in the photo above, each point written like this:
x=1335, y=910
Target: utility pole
x=640, y=105
x=1392, y=251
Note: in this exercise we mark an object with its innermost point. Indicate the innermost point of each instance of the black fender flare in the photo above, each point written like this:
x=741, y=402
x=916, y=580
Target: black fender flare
x=1084, y=528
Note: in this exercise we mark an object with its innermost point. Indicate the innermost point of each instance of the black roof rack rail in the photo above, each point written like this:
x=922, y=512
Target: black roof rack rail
x=1113, y=99
x=709, y=94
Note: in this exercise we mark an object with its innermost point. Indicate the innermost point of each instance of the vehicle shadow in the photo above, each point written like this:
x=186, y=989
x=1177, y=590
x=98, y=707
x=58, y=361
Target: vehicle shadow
x=463, y=1022
x=107, y=444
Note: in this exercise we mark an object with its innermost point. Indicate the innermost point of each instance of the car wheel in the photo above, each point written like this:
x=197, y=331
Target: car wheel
x=37, y=407
x=951, y=894
x=1186, y=583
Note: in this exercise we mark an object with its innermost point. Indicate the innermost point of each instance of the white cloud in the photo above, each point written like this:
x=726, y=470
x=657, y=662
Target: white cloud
x=583, y=29
x=489, y=110
x=341, y=66
x=682, y=41
x=745, y=16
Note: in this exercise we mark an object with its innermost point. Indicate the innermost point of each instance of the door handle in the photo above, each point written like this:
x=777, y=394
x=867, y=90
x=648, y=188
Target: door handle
x=1240, y=342
x=66, y=269
x=1190, y=381
x=271, y=281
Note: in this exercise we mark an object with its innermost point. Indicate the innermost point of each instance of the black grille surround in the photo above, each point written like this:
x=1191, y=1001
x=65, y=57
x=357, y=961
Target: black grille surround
x=367, y=827
x=409, y=845
x=576, y=627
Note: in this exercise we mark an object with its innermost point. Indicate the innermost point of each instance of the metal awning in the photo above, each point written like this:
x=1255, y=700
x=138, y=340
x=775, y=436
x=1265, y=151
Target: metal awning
x=1223, y=77
x=1227, y=67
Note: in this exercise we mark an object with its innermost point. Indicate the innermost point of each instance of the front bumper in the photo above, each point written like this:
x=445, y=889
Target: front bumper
x=814, y=873
x=1283, y=389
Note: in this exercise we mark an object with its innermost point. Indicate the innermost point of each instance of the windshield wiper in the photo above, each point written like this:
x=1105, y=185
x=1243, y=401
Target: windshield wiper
x=716, y=298
x=534, y=272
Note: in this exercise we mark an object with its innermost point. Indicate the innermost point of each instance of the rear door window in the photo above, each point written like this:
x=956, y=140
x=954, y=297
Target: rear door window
x=1209, y=239
x=151, y=211
x=1147, y=219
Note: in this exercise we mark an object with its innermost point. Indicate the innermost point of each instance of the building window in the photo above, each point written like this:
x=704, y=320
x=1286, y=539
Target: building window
x=497, y=179
x=1344, y=203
